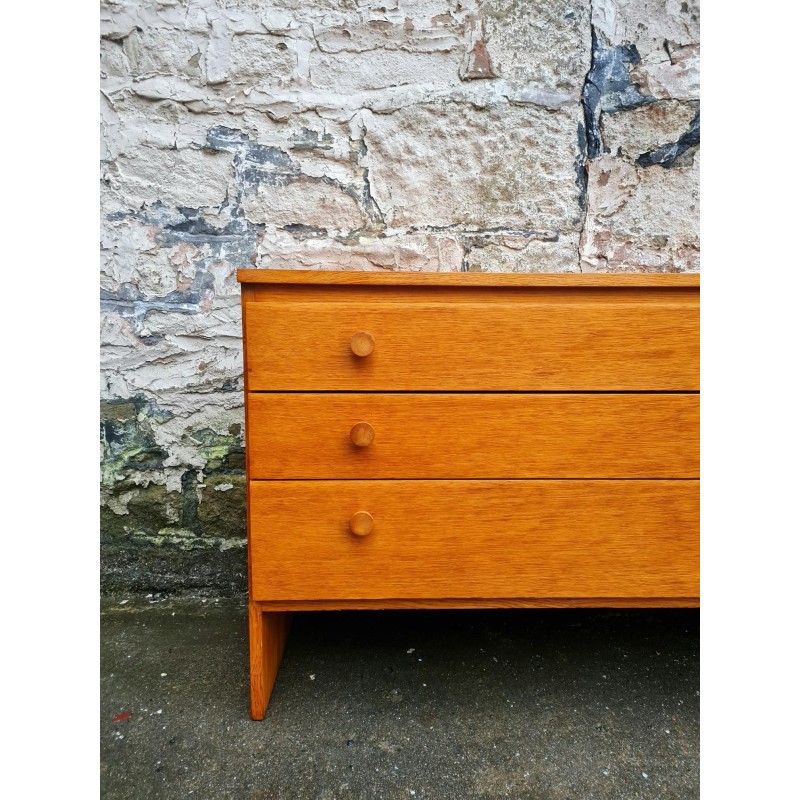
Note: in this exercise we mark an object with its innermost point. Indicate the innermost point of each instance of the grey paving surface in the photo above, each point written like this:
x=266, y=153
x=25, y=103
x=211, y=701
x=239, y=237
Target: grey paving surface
x=440, y=704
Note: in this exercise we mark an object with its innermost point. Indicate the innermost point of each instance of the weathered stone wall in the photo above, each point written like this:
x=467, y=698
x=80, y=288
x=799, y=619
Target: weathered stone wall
x=503, y=135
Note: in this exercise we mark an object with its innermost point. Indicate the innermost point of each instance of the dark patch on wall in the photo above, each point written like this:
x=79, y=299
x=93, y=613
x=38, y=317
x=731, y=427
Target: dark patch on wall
x=130, y=304
x=194, y=226
x=232, y=140
x=130, y=449
x=235, y=243
x=358, y=152
x=307, y=139
x=222, y=510
x=146, y=458
x=117, y=216
x=667, y=155
x=608, y=87
x=221, y=452
x=189, y=520
x=254, y=163
x=305, y=232
x=162, y=542
x=232, y=385
x=581, y=172
x=536, y=233
x=143, y=567
x=484, y=238
x=257, y=164
x=127, y=440
x=369, y=203
x=356, y=193
x=151, y=509
x=143, y=551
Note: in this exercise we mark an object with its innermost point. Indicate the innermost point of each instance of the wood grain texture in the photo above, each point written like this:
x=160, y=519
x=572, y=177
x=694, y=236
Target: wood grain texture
x=475, y=539
x=268, y=633
x=474, y=346
x=339, y=277
x=300, y=435
x=494, y=602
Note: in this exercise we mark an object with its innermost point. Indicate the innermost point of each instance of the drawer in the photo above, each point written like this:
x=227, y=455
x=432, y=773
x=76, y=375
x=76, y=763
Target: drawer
x=301, y=435
x=474, y=539
x=591, y=342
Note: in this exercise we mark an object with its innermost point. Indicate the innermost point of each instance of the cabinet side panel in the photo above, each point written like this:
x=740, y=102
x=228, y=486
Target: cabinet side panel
x=248, y=296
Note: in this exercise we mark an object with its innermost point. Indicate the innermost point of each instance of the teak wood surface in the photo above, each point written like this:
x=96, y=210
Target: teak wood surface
x=459, y=279
x=475, y=539
x=299, y=435
x=475, y=346
x=268, y=632
x=604, y=374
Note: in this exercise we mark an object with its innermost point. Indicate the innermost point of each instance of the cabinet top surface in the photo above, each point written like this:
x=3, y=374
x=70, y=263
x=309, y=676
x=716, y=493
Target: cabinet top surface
x=454, y=279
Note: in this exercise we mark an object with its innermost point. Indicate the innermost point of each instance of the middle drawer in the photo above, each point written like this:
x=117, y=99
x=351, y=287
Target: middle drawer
x=299, y=435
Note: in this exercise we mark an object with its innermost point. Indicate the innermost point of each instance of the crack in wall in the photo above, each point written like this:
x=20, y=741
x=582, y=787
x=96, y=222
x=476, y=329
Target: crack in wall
x=582, y=159
x=608, y=87
x=669, y=155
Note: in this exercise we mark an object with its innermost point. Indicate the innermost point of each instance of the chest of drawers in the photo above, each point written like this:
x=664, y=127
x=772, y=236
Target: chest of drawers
x=467, y=440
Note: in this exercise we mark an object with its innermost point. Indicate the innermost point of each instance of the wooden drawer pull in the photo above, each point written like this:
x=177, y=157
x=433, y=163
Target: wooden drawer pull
x=361, y=523
x=362, y=434
x=362, y=343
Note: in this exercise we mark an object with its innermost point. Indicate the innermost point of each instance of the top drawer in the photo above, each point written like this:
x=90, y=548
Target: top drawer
x=588, y=341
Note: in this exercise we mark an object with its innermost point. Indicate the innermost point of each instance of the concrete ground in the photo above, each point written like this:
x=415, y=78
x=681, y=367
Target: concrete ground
x=423, y=704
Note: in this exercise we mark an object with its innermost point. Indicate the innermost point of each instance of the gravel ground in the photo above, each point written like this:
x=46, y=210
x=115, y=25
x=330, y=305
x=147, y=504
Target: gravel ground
x=400, y=704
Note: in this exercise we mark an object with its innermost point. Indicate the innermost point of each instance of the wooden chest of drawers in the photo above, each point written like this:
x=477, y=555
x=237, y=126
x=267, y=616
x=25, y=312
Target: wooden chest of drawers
x=467, y=440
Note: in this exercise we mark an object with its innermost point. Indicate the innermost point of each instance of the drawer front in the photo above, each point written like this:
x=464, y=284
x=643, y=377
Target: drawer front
x=552, y=344
x=473, y=435
x=474, y=539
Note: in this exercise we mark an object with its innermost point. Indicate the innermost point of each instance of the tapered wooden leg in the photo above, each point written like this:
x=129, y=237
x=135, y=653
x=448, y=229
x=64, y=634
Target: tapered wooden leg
x=268, y=632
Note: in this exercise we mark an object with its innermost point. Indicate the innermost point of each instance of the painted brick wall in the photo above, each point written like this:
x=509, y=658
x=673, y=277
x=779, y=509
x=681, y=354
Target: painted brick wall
x=497, y=136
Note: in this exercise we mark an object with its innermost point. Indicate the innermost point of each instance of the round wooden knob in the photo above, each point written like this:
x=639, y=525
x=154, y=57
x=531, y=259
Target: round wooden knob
x=362, y=434
x=362, y=343
x=361, y=523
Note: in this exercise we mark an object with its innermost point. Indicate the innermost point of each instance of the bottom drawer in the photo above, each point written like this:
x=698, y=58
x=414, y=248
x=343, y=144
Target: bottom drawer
x=474, y=539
